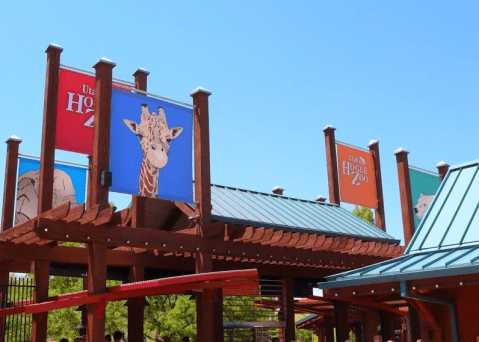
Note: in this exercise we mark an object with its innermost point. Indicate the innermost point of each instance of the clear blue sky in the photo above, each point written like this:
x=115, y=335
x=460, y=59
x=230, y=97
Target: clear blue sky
x=405, y=73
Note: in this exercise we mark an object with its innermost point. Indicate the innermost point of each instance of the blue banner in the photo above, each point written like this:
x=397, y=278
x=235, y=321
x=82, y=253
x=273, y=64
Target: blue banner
x=69, y=183
x=151, y=147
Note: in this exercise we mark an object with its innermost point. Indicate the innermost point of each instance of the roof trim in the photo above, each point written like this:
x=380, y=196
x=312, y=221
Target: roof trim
x=300, y=230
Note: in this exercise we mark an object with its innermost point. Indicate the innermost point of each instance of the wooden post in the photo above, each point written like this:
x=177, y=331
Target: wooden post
x=136, y=309
x=101, y=130
x=4, y=280
x=329, y=328
x=332, y=162
x=202, y=155
x=10, y=185
x=342, y=321
x=320, y=333
x=99, y=195
x=380, y=216
x=288, y=298
x=405, y=194
x=206, y=327
x=45, y=189
x=442, y=168
x=39, y=321
x=89, y=184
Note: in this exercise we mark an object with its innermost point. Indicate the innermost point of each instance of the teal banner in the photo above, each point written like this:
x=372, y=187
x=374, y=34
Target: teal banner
x=424, y=186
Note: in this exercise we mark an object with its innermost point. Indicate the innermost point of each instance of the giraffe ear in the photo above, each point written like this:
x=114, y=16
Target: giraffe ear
x=176, y=131
x=132, y=125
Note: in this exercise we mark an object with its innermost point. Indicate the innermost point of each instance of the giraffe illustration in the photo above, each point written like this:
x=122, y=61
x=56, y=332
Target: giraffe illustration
x=155, y=140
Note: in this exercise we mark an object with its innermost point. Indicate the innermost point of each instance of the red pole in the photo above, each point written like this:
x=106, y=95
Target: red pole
x=442, y=168
x=136, y=309
x=405, y=193
x=202, y=154
x=332, y=162
x=380, y=215
x=99, y=195
x=10, y=185
x=45, y=190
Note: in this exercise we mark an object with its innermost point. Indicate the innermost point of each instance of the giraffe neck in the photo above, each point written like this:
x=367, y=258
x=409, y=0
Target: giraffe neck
x=149, y=177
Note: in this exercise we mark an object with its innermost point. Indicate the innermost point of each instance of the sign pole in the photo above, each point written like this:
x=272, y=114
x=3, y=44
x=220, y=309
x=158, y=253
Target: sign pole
x=136, y=309
x=45, y=189
x=380, y=215
x=332, y=162
x=442, y=169
x=11, y=165
x=99, y=194
x=405, y=194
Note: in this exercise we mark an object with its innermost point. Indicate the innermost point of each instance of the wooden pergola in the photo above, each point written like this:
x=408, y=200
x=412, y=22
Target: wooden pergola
x=190, y=238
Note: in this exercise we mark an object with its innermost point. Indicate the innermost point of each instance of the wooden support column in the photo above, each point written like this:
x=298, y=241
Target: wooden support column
x=369, y=325
x=202, y=155
x=332, y=162
x=379, y=210
x=329, y=329
x=320, y=333
x=442, y=169
x=288, y=299
x=45, y=188
x=4, y=279
x=99, y=195
x=414, y=324
x=387, y=327
x=101, y=130
x=10, y=184
x=341, y=320
x=39, y=321
x=90, y=183
x=136, y=308
x=405, y=194
x=209, y=327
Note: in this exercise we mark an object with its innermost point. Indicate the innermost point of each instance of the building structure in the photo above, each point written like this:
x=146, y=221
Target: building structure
x=298, y=241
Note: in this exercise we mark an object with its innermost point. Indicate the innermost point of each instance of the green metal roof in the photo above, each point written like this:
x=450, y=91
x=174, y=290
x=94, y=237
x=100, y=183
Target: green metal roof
x=305, y=319
x=445, y=243
x=270, y=210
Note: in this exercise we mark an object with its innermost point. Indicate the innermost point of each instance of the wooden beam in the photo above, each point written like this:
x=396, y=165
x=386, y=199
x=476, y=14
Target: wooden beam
x=380, y=215
x=405, y=194
x=202, y=155
x=39, y=321
x=185, y=208
x=332, y=162
x=10, y=185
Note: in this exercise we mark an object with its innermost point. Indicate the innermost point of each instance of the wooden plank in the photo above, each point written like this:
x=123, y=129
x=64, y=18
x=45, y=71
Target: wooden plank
x=8, y=209
x=90, y=215
x=248, y=234
x=268, y=234
x=104, y=216
x=75, y=213
x=284, y=240
x=185, y=208
x=277, y=235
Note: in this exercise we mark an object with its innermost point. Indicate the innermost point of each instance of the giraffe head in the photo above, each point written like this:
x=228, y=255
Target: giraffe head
x=154, y=135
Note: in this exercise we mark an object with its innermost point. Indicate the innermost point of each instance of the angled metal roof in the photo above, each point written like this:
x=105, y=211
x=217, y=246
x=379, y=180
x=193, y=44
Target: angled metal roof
x=453, y=216
x=430, y=264
x=445, y=243
x=305, y=319
x=270, y=210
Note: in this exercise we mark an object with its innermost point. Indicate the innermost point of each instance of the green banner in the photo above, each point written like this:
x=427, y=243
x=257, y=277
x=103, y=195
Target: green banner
x=424, y=186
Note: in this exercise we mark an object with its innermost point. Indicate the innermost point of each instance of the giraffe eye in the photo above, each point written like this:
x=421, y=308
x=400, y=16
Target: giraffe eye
x=140, y=136
x=168, y=141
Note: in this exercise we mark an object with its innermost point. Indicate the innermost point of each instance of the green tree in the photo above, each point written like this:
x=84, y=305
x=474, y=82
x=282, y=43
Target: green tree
x=364, y=213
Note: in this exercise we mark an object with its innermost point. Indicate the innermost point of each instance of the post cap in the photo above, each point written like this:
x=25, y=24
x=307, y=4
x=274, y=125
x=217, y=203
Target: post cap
x=14, y=138
x=373, y=142
x=329, y=127
x=401, y=150
x=200, y=90
x=320, y=198
x=141, y=71
x=54, y=46
x=442, y=163
x=104, y=60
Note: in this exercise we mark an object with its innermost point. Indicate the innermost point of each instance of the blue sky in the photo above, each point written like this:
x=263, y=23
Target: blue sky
x=404, y=73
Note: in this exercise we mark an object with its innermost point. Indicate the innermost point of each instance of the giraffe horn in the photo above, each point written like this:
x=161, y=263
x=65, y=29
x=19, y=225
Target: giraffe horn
x=144, y=111
x=161, y=113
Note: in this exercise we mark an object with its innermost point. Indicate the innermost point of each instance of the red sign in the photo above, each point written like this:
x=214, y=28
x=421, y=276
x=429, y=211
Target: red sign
x=356, y=177
x=76, y=94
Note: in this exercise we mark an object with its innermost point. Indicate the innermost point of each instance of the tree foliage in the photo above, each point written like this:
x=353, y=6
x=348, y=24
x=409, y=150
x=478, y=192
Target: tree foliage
x=364, y=213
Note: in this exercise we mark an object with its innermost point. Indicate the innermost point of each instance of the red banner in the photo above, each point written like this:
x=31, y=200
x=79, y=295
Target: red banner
x=356, y=177
x=76, y=94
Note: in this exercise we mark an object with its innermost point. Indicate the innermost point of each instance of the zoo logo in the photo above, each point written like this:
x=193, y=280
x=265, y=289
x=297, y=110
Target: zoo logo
x=356, y=166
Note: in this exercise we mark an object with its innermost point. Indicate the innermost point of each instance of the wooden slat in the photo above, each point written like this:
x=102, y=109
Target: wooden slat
x=75, y=213
x=104, y=216
x=278, y=234
x=258, y=234
x=284, y=240
x=19, y=230
x=248, y=234
x=90, y=214
x=268, y=234
x=326, y=245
